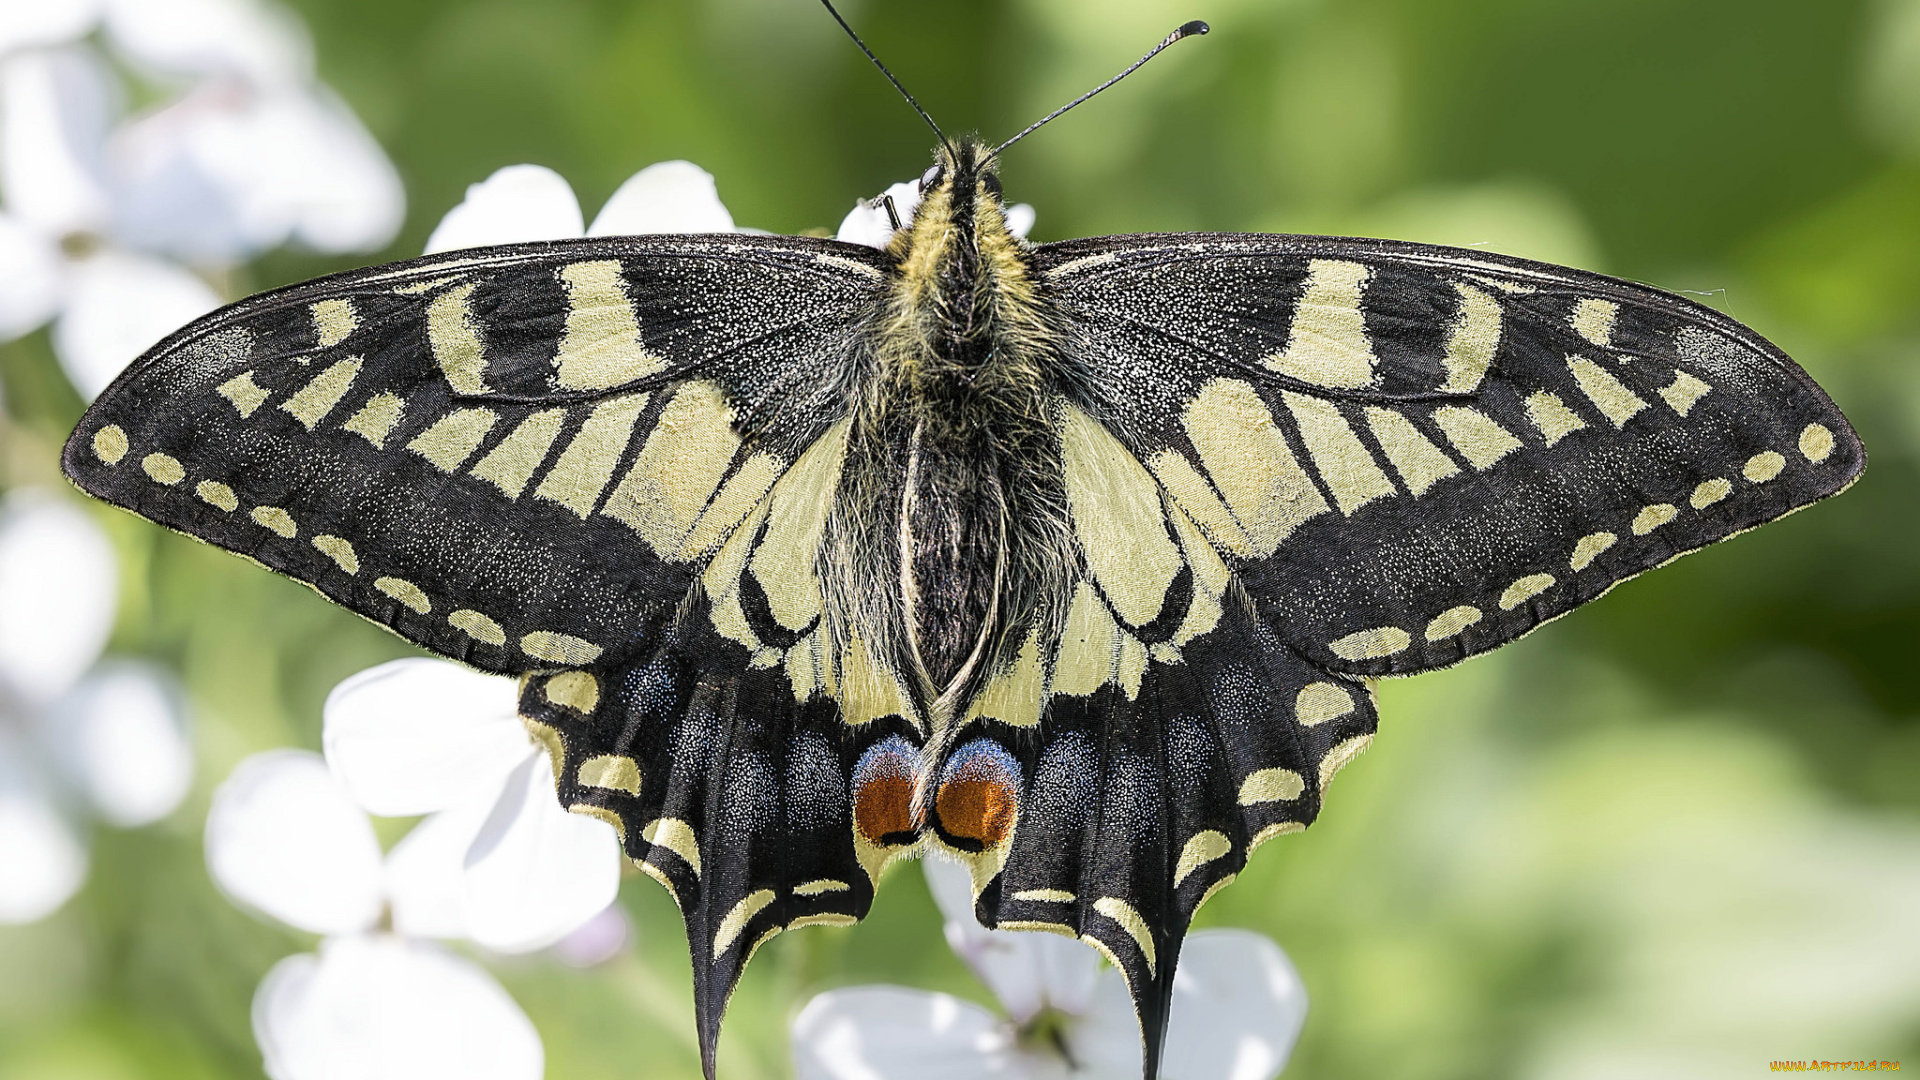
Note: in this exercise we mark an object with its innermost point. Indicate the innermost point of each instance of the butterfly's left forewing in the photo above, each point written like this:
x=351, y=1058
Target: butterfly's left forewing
x=517, y=457
x=605, y=462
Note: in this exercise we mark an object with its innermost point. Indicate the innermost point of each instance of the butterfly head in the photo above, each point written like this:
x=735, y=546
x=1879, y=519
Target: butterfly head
x=960, y=203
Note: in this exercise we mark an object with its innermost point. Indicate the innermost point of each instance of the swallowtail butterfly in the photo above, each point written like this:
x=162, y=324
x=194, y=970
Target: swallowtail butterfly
x=1076, y=562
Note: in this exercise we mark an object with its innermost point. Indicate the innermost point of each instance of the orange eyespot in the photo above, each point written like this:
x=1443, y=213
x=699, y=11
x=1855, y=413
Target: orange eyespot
x=883, y=792
x=979, y=795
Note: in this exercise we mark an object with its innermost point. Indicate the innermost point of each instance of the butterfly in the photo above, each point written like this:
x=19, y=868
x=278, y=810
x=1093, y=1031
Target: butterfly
x=1074, y=562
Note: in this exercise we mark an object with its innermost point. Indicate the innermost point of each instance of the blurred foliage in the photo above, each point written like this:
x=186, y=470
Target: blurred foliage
x=1675, y=835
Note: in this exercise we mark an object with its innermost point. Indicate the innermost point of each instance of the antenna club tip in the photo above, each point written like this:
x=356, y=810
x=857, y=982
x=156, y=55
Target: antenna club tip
x=1192, y=29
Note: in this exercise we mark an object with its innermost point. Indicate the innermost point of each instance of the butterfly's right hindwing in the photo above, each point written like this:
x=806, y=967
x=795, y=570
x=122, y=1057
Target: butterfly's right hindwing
x=521, y=458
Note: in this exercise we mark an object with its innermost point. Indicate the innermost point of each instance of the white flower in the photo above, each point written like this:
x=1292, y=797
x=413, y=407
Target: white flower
x=867, y=223
x=285, y=838
x=522, y=203
x=77, y=738
x=1238, y=1005
x=532, y=202
x=246, y=152
x=498, y=860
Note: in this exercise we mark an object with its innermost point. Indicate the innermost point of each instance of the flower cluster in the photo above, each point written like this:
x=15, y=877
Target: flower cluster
x=1238, y=1005
x=102, y=213
x=495, y=861
x=79, y=738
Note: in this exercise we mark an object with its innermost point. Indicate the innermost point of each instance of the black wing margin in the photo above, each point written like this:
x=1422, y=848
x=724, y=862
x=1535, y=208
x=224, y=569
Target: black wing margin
x=516, y=457
x=1412, y=454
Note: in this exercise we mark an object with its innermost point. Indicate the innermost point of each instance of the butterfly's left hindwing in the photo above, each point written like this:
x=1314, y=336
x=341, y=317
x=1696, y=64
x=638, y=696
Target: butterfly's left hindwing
x=517, y=457
x=724, y=785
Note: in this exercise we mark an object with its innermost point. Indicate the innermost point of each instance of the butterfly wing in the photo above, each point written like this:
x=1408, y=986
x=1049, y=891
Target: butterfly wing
x=1338, y=459
x=1412, y=454
x=602, y=460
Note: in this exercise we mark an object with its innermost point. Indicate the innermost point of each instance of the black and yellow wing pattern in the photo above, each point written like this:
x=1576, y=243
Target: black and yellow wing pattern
x=1290, y=465
x=1303, y=463
x=528, y=459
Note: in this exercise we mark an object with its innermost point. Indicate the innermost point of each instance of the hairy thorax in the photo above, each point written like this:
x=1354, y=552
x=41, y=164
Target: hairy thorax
x=953, y=462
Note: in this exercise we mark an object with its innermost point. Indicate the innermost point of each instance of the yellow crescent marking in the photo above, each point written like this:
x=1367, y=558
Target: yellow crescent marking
x=559, y=648
x=612, y=772
x=1653, y=517
x=478, y=627
x=1201, y=849
x=1371, y=644
x=1589, y=548
x=736, y=920
x=1271, y=785
x=1524, y=590
x=1452, y=621
x=276, y=520
x=404, y=591
x=676, y=836
x=1136, y=927
x=574, y=690
x=215, y=493
x=1710, y=492
x=340, y=551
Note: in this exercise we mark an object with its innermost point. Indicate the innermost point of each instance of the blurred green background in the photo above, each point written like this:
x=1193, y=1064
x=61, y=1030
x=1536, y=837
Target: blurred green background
x=1677, y=834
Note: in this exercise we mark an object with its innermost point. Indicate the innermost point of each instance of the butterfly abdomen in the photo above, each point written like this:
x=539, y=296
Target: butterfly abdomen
x=954, y=508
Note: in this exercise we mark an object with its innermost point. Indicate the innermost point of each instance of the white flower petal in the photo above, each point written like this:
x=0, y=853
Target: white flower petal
x=1020, y=217
x=58, y=582
x=597, y=940
x=867, y=223
x=283, y=837
x=536, y=872
x=1238, y=1006
x=670, y=197
x=27, y=23
x=227, y=172
x=1026, y=971
x=892, y=1033
x=427, y=871
x=384, y=1008
x=119, y=306
x=122, y=736
x=417, y=735
x=55, y=108
x=31, y=278
x=264, y=43
x=516, y=204
x=45, y=860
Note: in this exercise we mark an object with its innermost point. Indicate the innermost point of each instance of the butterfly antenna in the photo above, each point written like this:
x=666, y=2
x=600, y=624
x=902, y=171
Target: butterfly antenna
x=1192, y=29
x=883, y=70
